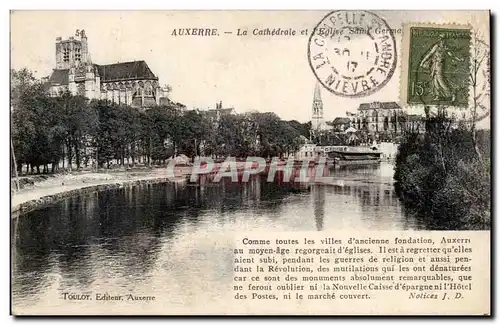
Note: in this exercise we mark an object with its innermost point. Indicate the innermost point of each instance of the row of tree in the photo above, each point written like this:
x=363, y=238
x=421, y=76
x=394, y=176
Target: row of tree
x=48, y=132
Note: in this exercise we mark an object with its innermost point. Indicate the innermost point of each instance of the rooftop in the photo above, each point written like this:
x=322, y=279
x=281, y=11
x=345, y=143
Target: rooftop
x=134, y=70
x=379, y=105
x=341, y=120
x=59, y=77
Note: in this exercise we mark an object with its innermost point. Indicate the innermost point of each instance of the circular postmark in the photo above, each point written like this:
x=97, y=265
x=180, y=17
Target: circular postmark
x=352, y=53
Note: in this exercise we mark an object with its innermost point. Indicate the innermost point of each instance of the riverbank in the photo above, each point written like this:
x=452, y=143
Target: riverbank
x=42, y=190
x=444, y=176
x=59, y=186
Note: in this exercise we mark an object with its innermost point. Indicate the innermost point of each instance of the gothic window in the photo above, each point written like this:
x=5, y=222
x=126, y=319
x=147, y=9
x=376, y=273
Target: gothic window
x=365, y=124
x=66, y=55
x=148, y=91
x=78, y=54
x=139, y=91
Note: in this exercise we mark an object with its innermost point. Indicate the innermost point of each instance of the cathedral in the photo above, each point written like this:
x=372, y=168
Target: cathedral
x=129, y=83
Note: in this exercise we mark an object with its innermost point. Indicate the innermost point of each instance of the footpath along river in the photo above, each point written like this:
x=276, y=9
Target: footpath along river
x=173, y=240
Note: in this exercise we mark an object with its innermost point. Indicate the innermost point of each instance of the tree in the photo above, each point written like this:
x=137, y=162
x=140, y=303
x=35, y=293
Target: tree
x=480, y=58
x=229, y=138
x=36, y=134
x=303, y=128
x=79, y=121
x=194, y=128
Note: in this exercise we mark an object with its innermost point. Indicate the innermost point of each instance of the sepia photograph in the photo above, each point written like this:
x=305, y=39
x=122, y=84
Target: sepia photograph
x=250, y=162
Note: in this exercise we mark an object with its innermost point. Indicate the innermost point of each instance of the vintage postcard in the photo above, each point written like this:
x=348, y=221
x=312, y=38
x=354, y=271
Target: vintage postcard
x=331, y=162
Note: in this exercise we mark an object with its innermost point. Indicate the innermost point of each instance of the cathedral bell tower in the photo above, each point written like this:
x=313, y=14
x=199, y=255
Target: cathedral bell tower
x=317, y=120
x=71, y=52
x=73, y=55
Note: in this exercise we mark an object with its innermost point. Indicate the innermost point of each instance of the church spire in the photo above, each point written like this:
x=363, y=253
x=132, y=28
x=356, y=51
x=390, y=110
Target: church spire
x=317, y=121
x=317, y=92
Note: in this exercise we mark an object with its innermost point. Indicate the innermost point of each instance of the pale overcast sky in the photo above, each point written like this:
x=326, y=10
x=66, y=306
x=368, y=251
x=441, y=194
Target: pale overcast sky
x=247, y=72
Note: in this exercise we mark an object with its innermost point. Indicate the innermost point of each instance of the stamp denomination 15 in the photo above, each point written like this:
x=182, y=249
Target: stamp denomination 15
x=352, y=53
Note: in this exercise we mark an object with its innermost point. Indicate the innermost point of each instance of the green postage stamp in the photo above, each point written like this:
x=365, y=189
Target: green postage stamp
x=436, y=65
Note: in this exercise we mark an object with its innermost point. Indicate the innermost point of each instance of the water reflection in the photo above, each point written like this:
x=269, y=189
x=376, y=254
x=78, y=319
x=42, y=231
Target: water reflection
x=179, y=234
x=318, y=195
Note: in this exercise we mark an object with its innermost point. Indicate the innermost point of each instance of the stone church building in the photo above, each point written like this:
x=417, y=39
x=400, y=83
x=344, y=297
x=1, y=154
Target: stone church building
x=377, y=117
x=130, y=83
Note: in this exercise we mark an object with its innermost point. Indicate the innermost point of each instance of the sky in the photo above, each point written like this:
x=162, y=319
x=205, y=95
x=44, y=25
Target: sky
x=263, y=73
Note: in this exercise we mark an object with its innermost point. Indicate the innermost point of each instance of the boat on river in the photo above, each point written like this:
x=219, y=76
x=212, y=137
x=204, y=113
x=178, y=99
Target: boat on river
x=349, y=155
x=340, y=155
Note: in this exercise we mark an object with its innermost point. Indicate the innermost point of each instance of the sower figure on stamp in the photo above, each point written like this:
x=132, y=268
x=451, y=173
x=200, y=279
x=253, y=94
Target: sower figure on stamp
x=434, y=60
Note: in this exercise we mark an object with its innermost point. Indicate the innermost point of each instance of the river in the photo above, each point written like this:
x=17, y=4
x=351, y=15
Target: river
x=174, y=239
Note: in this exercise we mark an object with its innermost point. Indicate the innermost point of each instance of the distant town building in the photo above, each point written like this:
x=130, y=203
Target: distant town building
x=384, y=118
x=307, y=151
x=130, y=83
x=414, y=123
x=378, y=117
x=219, y=111
x=340, y=124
